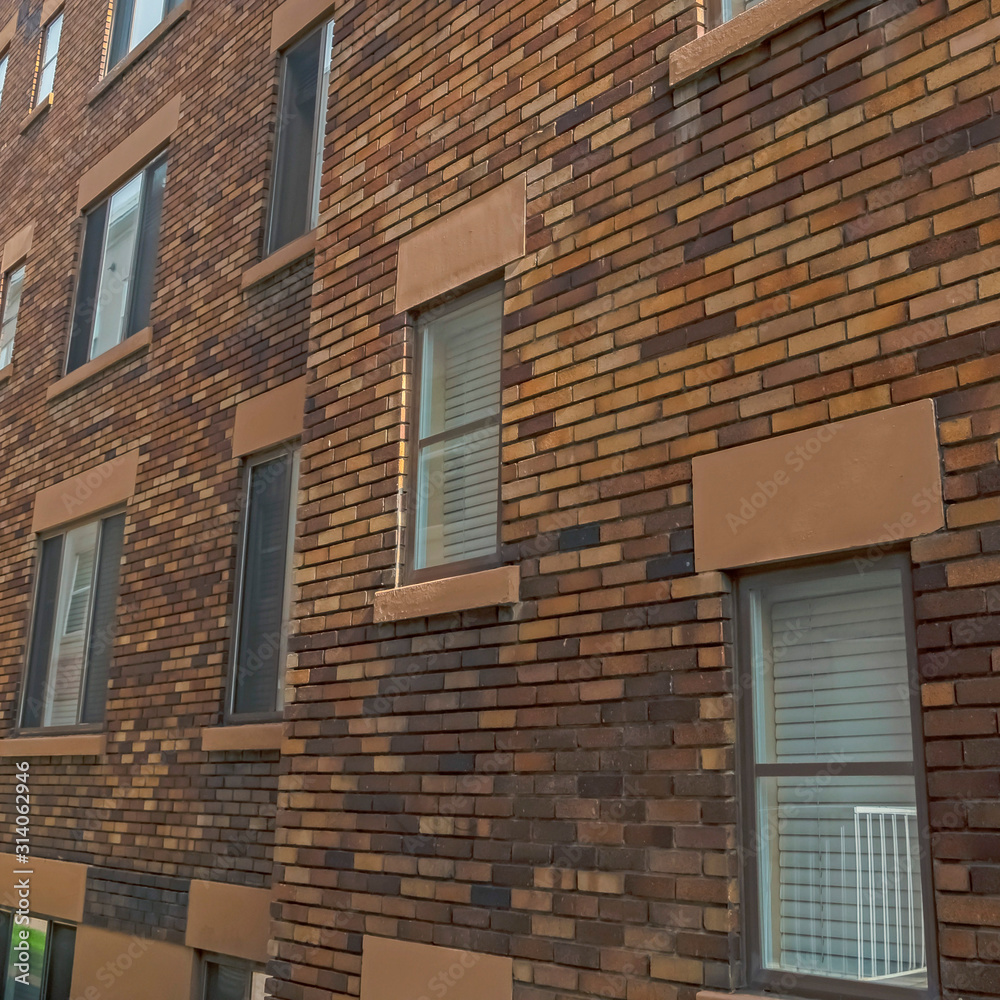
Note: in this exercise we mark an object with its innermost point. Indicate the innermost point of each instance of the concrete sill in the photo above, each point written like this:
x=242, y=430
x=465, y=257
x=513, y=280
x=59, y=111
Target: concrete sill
x=485, y=589
x=279, y=260
x=176, y=15
x=65, y=745
x=738, y=35
x=38, y=111
x=132, y=345
x=6, y=372
x=258, y=736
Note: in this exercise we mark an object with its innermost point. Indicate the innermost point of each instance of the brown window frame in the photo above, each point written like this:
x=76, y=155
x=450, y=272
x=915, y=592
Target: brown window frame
x=462, y=567
x=756, y=976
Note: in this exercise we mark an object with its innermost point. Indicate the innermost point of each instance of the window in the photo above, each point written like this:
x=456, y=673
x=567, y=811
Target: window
x=74, y=622
x=118, y=265
x=39, y=958
x=3, y=73
x=264, y=586
x=226, y=980
x=456, y=509
x=50, y=52
x=720, y=11
x=132, y=21
x=298, y=151
x=838, y=884
x=11, y=304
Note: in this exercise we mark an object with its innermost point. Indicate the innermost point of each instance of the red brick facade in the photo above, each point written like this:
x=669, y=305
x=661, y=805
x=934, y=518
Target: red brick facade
x=806, y=231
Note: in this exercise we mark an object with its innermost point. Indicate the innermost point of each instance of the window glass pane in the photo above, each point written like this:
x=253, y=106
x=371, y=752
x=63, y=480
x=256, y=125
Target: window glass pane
x=26, y=961
x=457, y=498
x=42, y=625
x=11, y=305
x=840, y=876
x=295, y=144
x=832, y=670
x=148, y=249
x=257, y=985
x=226, y=982
x=62, y=696
x=458, y=467
x=321, y=110
x=116, y=266
x=102, y=635
x=264, y=594
x=50, y=50
x=3, y=74
x=146, y=15
x=62, y=945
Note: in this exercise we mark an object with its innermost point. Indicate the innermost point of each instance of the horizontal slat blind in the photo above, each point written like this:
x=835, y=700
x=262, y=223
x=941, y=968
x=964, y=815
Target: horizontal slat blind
x=839, y=896
x=458, y=472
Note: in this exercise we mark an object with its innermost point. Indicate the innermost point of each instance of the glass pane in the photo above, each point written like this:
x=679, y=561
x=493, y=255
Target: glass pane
x=257, y=985
x=116, y=266
x=458, y=498
x=840, y=878
x=831, y=669
x=295, y=145
x=102, y=635
x=146, y=15
x=47, y=77
x=226, y=982
x=42, y=626
x=11, y=305
x=149, y=248
x=62, y=696
x=3, y=74
x=62, y=945
x=26, y=961
x=321, y=109
x=264, y=595
x=460, y=365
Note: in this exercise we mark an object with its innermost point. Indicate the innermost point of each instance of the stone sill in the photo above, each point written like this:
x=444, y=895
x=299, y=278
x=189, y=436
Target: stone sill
x=485, y=589
x=65, y=745
x=131, y=345
x=737, y=35
x=129, y=60
x=257, y=736
x=279, y=260
x=38, y=111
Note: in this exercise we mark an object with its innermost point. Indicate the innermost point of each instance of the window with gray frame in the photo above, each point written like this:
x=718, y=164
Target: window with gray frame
x=73, y=626
x=12, y=285
x=227, y=979
x=298, y=150
x=50, y=53
x=457, y=496
x=132, y=21
x=834, y=813
x=118, y=266
x=264, y=587
x=38, y=957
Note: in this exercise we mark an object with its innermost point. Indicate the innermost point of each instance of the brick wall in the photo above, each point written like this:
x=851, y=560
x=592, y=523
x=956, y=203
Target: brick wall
x=806, y=232
x=157, y=810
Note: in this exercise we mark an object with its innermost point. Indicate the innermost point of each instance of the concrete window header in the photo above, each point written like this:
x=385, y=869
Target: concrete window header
x=100, y=488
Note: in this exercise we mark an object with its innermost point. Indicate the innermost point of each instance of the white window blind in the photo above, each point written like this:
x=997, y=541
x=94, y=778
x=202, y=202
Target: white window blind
x=458, y=466
x=839, y=873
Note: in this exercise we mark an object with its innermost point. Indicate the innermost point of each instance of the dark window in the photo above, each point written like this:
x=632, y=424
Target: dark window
x=838, y=900
x=458, y=434
x=39, y=958
x=264, y=584
x=298, y=151
x=73, y=625
x=133, y=20
x=233, y=981
x=118, y=265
